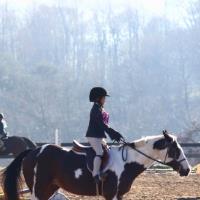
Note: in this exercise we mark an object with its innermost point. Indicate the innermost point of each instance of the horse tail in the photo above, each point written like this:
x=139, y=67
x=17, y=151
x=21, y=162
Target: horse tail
x=11, y=177
x=30, y=144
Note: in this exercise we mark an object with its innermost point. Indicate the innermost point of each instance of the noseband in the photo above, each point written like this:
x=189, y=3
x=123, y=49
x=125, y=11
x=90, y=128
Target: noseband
x=124, y=144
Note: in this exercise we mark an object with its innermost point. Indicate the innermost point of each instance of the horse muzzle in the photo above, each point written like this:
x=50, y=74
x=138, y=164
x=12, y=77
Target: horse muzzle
x=184, y=172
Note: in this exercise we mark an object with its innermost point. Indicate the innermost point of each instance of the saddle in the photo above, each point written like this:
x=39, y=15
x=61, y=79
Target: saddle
x=90, y=155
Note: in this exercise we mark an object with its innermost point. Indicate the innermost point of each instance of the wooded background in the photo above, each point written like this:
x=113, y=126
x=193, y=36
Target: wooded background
x=52, y=54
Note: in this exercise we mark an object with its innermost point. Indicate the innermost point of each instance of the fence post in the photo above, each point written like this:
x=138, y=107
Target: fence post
x=56, y=137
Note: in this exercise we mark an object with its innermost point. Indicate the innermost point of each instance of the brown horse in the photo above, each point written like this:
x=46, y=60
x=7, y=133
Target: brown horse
x=14, y=145
x=50, y=167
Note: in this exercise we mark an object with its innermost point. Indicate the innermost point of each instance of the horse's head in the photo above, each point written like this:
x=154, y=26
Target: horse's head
x=172, y=153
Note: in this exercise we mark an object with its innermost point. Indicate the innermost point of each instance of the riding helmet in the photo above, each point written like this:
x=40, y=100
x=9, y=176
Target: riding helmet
x=97, y=92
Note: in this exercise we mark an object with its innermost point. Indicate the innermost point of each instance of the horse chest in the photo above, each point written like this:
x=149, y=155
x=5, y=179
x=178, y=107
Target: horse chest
x=131, y=171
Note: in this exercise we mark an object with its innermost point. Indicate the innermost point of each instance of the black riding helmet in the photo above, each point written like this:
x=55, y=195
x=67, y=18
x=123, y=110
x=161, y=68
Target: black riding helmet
x=96, y=93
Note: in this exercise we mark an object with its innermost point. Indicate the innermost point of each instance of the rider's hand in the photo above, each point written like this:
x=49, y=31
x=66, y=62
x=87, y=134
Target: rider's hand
x=116, y=136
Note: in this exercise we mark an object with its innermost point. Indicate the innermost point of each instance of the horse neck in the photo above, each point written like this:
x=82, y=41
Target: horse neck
x=146, y=147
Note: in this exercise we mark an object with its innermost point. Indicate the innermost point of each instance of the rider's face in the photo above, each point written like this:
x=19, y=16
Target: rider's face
x=102, y=100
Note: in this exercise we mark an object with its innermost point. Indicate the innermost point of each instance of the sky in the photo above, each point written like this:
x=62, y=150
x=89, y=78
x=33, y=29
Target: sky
x=175, y=10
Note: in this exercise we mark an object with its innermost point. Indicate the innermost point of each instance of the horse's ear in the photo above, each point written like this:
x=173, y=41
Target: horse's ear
x=167, y=136
x=165, y=132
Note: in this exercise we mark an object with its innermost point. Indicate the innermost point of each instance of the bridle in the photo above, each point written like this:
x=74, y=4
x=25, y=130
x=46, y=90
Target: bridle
x=124, y=157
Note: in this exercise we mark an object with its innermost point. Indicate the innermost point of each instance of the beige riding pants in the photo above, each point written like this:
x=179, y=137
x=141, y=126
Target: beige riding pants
x=96, y=144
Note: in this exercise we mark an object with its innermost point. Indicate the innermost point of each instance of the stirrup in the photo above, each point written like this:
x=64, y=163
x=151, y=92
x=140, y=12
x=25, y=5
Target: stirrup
x=97, y=179
x=102, y=176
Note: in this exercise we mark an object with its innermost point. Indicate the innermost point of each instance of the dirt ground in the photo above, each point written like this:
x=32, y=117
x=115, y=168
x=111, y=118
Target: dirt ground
x=162, y=186
x=156, y=186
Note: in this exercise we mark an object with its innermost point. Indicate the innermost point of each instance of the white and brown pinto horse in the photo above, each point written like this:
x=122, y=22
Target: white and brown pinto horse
x=50, y=167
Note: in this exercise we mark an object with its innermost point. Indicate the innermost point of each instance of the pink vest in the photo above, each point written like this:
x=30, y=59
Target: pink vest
x=105, y=117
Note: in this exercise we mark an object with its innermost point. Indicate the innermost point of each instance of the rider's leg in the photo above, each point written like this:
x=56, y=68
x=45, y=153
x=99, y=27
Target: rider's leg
x=96, y=144
x=104, y=143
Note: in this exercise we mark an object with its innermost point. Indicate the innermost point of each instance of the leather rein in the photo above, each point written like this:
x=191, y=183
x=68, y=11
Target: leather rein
x=124, y=157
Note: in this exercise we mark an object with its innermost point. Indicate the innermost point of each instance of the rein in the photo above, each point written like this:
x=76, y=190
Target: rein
x=124, y=157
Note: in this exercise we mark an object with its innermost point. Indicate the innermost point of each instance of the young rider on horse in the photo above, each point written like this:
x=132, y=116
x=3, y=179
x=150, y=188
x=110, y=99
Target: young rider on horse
x=98, y=125
x=3, y=133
